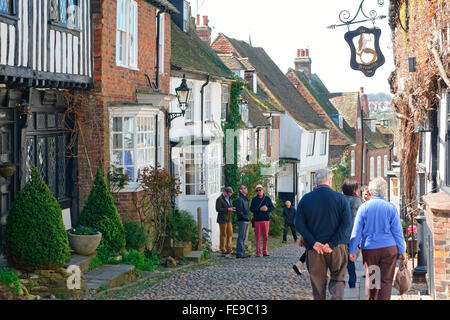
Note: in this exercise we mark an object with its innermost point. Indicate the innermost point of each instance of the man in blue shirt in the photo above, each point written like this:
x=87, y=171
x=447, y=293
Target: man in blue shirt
x=378, y=224
x=324, y=220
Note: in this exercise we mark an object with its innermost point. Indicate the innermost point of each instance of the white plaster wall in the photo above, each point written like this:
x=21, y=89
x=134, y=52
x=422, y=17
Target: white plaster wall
x=285, y=178
x=290, y=138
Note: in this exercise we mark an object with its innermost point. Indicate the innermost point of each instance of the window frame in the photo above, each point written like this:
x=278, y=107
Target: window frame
x=157, y=138
x=311, y=143
x=208, y=103
x=130, y=46
x=189, y=115
x=225, y=102
x=323, y=143
x=65, y=24
x=378, y=166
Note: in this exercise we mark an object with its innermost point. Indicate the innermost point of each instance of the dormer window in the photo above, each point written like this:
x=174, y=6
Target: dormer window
x=341, y=121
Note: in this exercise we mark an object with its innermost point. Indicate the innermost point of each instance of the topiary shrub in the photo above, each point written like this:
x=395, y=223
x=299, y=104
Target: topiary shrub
x=35, y=237
x=101, y=213
x=135, y=235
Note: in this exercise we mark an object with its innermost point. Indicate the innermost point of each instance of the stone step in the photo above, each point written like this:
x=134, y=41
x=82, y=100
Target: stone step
x=82, y=261
x=195, y=256
x=109, y=276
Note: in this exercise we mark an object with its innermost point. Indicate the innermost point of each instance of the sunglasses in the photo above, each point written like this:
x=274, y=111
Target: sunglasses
x=259, y=190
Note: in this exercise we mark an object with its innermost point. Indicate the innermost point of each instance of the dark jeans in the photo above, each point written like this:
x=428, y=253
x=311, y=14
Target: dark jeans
x=286, y=230
x=242, y=234
x=351, y=274
x=303, y=257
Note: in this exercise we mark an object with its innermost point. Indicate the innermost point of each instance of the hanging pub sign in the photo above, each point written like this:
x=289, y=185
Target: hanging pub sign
x=366, y=55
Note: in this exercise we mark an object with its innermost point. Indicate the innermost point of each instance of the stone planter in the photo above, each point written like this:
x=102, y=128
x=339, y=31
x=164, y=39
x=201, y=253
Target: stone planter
x=84, y=244
x=410, y=246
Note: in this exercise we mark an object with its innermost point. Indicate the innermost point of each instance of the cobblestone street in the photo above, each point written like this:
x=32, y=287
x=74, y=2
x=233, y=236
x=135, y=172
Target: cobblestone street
x=270, y=278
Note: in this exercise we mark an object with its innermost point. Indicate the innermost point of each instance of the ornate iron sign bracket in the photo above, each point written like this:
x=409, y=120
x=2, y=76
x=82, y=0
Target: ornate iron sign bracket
x=347, y=20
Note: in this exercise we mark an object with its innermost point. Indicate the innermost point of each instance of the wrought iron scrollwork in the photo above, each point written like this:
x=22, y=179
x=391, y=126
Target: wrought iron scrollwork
x=346, y=18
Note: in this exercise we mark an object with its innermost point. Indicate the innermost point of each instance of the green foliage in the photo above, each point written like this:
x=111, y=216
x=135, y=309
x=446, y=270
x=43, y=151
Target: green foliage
x=205, y=255
x=341, y=172
x=101, y=213
x=206, y=239
x=35, y=237
x=251, y=176
x=104, y=255
x=135, y=235
x=277, y=220
x=117, y=180
x=181, y=226
x=231, y=171
x=83, y=231
x=159, y=190
x=9, y=278
x=141, y=261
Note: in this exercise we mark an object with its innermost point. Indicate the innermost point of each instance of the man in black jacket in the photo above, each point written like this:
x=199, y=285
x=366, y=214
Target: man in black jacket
x=324, y=220
x=224, y=211
x=243, y=221
x=288, y=215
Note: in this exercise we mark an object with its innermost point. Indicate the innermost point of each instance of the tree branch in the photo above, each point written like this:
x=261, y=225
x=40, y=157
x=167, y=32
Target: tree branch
x=439, y=63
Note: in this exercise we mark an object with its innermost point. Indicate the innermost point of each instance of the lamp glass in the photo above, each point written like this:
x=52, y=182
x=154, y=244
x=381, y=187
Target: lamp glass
x=183, y=93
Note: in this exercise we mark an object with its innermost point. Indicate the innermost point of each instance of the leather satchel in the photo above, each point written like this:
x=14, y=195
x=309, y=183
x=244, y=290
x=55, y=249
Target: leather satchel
x=403, y=281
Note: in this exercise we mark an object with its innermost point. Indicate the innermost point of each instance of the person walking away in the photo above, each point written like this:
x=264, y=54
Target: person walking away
x=243, y=221
x=288, y=215
x=224, y=219
x=261, y=207
x=378, y=224
x=324, y=219
x=350, y=189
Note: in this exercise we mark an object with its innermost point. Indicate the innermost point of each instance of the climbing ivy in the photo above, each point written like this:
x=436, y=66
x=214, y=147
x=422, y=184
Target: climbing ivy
x=231, y=171
x=341, y=172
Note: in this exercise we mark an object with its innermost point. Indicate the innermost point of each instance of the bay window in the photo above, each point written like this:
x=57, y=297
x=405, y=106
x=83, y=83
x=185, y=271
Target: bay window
x=137, y=140
x=126, y=33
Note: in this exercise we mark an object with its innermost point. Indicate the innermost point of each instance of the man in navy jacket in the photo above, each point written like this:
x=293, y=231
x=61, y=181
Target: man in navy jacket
x=324, y=220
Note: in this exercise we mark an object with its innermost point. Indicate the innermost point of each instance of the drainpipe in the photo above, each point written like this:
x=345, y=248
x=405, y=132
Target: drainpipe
x=434, y=153
x=158, y=31
x=202, y=92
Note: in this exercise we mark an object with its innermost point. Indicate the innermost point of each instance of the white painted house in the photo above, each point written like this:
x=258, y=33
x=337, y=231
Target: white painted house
x=197, y=137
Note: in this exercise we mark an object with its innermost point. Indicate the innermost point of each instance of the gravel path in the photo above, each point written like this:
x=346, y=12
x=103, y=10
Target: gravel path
x=269, y=278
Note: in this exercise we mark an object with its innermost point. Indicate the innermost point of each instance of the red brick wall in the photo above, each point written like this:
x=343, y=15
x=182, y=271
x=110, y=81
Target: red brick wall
x=126, y=203
x=437, y=212
x=358, y=163
x=336, y=136
x=113, y=83
x=222, y=45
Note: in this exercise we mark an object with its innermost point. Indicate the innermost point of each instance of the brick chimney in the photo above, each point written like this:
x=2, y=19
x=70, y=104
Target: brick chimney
x=303, y=62
x=203, y=30
x=364, y=101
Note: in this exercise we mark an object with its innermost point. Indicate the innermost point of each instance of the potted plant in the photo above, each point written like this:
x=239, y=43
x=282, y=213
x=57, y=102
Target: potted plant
x=84, y=240
x=411, y=240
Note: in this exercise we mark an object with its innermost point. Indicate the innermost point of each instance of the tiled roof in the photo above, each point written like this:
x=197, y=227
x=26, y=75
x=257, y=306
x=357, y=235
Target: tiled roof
x=255, y=115
x=231, y=61
x=335, y=154
x=189, y=53
x=279, y=85
x=247, y=64
x=164, y=4
x=347, y=104
x=320, y=92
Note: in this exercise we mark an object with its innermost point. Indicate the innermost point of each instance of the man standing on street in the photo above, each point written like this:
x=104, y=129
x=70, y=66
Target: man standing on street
x=288, y=215
x=224, y=211
x=243, y=221
x=324, y=220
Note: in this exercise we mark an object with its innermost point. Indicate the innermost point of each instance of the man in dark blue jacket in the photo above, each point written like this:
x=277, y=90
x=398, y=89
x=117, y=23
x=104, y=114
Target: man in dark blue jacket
x=324, y=220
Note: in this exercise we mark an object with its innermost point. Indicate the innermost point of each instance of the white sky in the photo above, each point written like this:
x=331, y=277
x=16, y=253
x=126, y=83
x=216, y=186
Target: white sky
x=283, y=26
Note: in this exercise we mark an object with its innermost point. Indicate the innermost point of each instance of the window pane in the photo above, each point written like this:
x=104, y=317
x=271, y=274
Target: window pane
x=117, y=124
x=129, y=157
x=128, y=140
x=128, y=124
x=40, y=120
x=117, y=141
x=130, y=172
x=117, y=158
x=51, y=118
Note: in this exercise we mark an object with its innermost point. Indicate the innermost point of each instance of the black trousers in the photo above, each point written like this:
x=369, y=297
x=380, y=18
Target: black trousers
x=286, y=230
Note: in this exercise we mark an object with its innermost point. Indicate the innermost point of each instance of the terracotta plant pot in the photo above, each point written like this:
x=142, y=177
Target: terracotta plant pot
x=84, y=244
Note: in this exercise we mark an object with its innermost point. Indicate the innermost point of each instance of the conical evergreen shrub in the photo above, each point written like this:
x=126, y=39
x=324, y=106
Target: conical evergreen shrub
x=101, y=213
x=35, y=237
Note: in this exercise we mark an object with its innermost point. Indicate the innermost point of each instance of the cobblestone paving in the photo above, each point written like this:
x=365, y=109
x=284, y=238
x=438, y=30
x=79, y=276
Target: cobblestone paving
x=270, y=278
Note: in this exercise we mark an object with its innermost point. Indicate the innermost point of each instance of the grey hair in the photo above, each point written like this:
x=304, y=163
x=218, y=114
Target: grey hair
x=323, y=175
x=378, y=187
x=287, y=202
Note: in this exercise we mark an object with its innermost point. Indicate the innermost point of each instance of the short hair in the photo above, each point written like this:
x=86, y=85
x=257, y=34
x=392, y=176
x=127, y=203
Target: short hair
x=323, y=175
x=349, y=187
x=229, y=190
x=287, y=202
x=378, y=187
x=242, y=187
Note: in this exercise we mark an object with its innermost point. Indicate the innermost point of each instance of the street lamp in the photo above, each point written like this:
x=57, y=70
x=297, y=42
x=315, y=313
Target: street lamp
x=183, y=93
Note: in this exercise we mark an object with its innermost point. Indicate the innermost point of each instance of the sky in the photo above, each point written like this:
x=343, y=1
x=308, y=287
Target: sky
x=283, y=26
